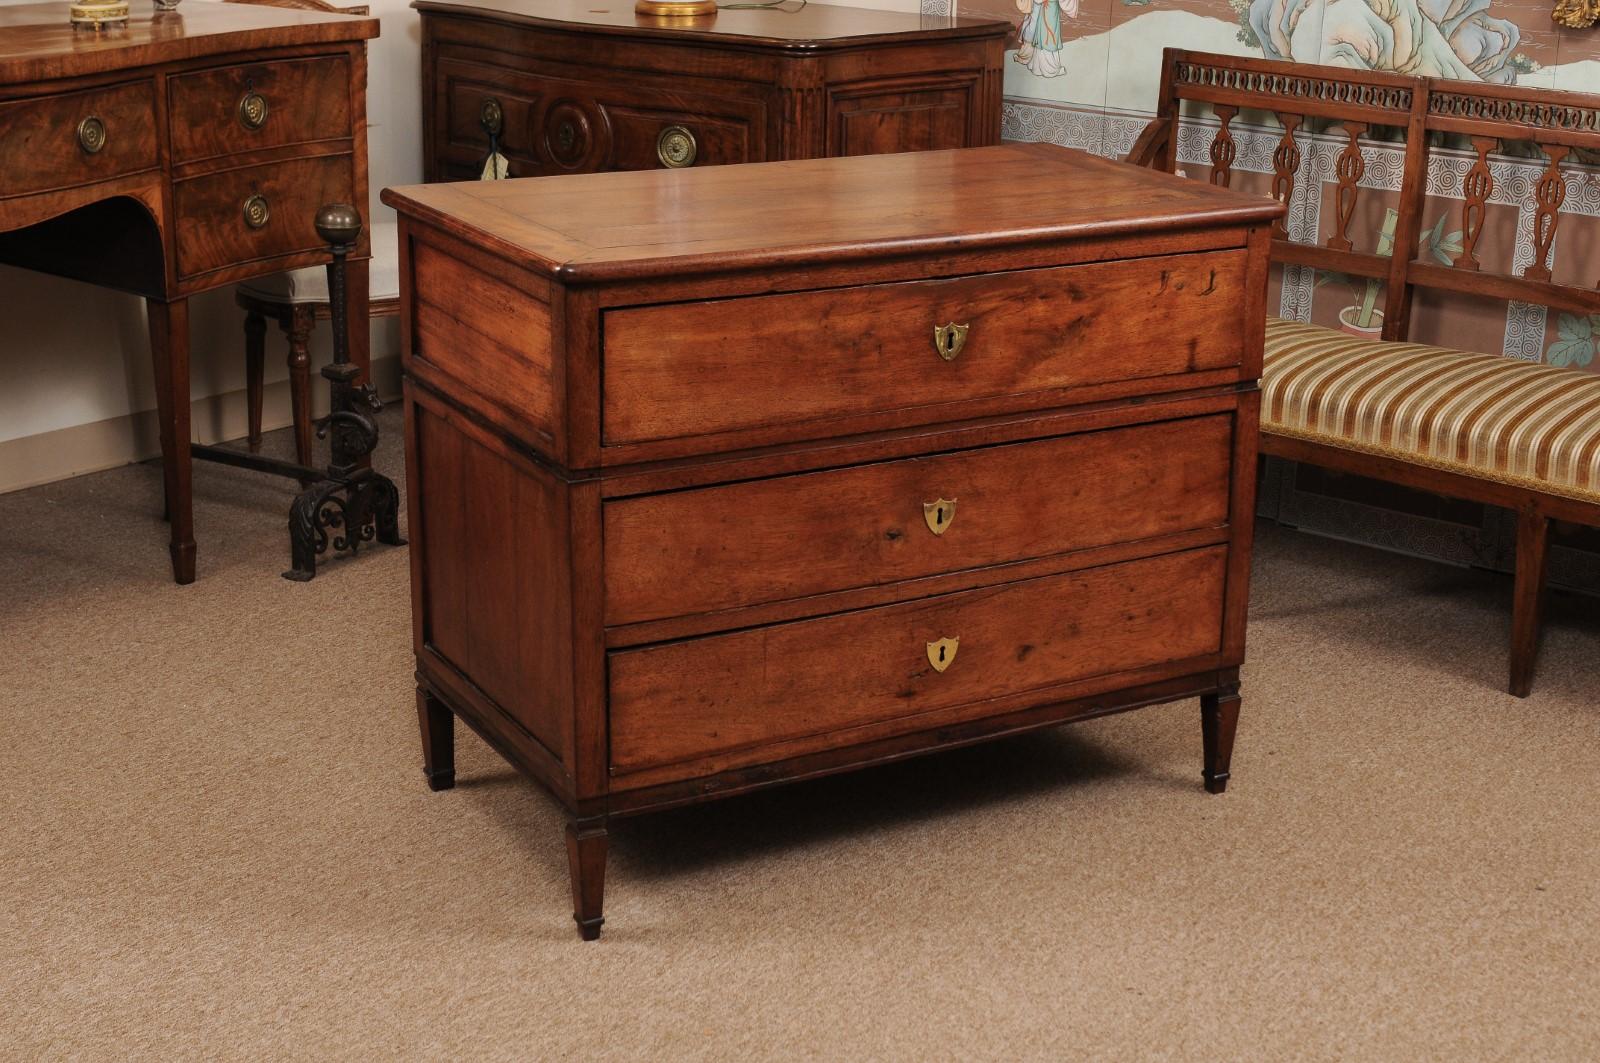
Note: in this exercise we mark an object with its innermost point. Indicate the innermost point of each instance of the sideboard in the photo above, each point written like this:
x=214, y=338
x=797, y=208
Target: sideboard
x=182, y=151
x=731, y=483
x=568, y=86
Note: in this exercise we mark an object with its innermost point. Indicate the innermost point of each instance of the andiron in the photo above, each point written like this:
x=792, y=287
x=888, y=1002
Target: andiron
x=349, y=504
x=345, y=505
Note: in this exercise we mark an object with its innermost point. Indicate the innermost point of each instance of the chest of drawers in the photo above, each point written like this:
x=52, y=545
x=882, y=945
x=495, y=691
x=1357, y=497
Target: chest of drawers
x=567, y=86
x=761, y=472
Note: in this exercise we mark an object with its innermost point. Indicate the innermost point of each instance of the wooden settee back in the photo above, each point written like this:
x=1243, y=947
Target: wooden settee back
x=1431, y=112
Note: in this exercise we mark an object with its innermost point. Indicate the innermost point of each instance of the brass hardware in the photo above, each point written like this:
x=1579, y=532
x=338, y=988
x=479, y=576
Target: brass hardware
x=942, y=654
x=676, y=8
x=566, y=136
x=939, y=515
x=252, y=110
x=676, y=147
x=256, y=211
x=491, y=116
x=91, y=135
x=949, y=339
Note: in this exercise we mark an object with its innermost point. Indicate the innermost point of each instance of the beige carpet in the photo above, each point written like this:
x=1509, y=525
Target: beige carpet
x=217, y=841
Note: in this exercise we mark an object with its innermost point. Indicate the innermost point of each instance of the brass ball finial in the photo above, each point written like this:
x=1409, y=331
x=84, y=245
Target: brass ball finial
x=339, y=223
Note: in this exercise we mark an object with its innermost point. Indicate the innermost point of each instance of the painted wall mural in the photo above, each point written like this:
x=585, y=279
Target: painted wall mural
x=1085, y=74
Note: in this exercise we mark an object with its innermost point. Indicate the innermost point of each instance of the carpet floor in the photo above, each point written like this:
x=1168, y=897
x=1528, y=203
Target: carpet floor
x=218, y=842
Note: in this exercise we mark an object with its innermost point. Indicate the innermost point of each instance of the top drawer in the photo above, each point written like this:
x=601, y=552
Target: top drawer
x=259, y=105
x=726, y=365
x=77, y=138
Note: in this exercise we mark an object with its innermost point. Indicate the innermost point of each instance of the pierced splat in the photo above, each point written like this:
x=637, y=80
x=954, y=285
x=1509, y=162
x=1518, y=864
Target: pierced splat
x=1548, y=195
x=1223, y=148
x=1285, y=164
x=1476, y=188
x=1350, y=167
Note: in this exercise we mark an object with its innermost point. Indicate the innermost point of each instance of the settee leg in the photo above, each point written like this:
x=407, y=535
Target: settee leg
x=1219, y=718
x=586, y=860
x=1533, y=543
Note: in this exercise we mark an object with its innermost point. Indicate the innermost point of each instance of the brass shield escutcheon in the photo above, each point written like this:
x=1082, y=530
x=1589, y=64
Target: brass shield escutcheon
x=939, y=515
x=949, y=339
x=942, y=654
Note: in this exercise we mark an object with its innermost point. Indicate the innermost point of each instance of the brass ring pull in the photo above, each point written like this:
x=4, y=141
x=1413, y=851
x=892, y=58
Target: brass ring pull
x=491, y=116
x=942, y=654
x=939, y=515
x=676, y=147
x=256, y=211
x=949, y=339
x=91, y=135
x=252, y=110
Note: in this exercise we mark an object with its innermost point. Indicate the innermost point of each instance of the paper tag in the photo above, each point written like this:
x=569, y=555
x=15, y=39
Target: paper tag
x=495, y=168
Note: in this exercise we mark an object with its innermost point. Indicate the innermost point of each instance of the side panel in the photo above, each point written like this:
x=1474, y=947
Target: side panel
x=493, y=595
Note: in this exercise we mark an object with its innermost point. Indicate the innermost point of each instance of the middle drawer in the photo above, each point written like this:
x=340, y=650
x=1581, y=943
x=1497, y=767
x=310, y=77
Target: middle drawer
x=718, y=548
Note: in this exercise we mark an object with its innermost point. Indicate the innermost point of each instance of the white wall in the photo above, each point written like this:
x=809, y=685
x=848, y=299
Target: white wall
x=75, y=378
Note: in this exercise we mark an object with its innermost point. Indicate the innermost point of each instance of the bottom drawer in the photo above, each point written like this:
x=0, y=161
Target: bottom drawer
x=257, y=212
x=679, y=702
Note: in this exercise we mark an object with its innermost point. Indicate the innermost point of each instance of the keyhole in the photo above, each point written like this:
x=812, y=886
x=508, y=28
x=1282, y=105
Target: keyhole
x=941, y=653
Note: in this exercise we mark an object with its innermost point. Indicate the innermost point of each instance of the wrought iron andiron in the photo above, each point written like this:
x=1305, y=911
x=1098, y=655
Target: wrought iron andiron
x=350, y=504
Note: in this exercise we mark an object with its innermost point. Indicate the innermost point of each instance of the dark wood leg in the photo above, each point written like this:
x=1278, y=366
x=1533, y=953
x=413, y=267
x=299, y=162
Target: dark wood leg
x=438, y=725
x=586, y=859
x=255, y=350
x=1219, y=718
x=1533, y=544
x=297, y=327
x=169, y=353
x=358, y=307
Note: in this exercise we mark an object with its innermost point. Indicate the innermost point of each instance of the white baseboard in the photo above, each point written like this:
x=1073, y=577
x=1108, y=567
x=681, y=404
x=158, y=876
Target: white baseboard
x=116, y=441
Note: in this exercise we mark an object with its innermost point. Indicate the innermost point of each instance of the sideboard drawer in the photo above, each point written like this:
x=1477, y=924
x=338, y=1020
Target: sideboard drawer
x=259, y=105
x=221, y=221
x=77, y=138
x=724, y=365
x=699, y=698
x=715, y=548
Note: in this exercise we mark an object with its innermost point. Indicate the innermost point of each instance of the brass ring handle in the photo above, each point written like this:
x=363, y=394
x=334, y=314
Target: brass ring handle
x=256, y=211
x=939, y=514
x=491, y=116
x=942, y=654
x=252, y=110
x=949, y=339
x=92, y=135
x=676, y=147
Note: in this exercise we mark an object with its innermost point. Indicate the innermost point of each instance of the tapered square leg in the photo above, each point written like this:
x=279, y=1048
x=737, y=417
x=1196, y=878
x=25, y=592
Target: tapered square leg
x=1219, y=718
x=438, y=726
x=1533, y=547
x=169, y=355
x=586, y=859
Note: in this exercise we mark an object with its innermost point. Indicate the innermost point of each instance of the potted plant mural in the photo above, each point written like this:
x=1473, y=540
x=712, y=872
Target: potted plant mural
x=1362, y=317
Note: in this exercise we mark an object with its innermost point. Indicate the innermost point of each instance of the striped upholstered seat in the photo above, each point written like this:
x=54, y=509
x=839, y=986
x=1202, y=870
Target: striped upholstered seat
x=1480, y=415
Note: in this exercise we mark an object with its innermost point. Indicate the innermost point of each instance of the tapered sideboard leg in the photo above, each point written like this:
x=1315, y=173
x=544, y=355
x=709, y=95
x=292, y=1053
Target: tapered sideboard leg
x=438, y=725
x=586, y=856
x=1219, y=718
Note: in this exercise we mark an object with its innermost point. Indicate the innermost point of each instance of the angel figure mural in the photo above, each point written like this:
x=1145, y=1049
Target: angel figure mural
x=1039, y=36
